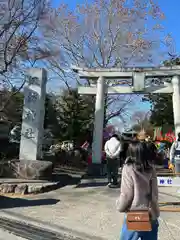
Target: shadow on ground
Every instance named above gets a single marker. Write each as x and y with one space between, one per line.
65 179
91 184
7 202
61 180
89 181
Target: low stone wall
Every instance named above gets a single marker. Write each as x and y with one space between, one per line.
26 169
27 188
59 179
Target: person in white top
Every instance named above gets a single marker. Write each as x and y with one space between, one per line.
112 149
175 154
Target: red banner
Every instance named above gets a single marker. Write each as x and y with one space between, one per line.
159 136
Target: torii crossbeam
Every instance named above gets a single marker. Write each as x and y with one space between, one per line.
138 76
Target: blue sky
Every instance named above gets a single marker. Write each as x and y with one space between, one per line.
170 24
171 11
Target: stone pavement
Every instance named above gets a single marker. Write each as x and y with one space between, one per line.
89 209
5 235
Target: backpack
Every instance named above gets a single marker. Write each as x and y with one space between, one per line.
176 146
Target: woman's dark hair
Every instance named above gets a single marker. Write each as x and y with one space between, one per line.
137 155
178 137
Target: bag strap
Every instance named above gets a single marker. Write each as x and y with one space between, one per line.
150 193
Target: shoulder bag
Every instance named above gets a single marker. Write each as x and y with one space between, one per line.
140 220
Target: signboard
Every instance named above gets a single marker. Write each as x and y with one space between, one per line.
168 181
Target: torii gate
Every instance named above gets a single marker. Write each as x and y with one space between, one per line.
138 76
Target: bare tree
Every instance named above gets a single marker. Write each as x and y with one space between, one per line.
19 25
141 121
104 34
21 44
117 106
139 116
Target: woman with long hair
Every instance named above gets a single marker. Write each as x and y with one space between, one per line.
137 193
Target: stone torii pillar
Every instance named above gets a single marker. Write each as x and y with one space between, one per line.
98 120
176 103
138 76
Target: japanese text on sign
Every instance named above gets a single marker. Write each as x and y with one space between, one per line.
30 115
165 181
32 97
169 181
29 133
33 81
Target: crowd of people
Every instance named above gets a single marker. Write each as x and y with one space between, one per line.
139 190
138 198
116 152
137 158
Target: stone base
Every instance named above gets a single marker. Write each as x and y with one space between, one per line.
96 170
27 169
27 188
